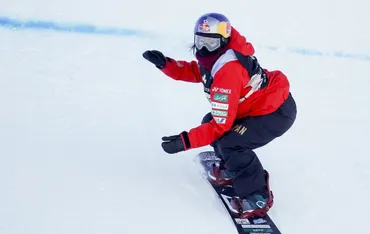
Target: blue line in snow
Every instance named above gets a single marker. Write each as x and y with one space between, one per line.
336 54
16 24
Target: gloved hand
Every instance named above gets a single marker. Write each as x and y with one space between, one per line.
156 57
176 143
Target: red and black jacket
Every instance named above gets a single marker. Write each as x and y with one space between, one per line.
236 87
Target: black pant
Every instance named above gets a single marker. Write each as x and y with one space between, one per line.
236 146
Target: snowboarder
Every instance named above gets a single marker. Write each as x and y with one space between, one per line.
250 106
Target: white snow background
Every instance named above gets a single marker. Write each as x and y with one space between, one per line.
82 116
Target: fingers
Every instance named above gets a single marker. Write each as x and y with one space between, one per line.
169 138
166 146
146 55
156 57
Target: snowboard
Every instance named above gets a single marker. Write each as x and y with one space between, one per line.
256 225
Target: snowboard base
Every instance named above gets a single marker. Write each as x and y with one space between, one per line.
255 225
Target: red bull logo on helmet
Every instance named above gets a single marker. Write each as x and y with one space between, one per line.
204 27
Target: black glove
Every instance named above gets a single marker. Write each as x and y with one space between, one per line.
156 57
176 143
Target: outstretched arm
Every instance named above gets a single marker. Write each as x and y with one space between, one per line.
177 70
182 70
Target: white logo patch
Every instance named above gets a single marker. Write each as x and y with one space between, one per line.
219 113
221 90
242 221
221 106
255 226
220 120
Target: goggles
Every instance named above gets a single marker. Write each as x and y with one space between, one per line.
212 43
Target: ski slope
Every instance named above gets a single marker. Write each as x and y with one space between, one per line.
82 116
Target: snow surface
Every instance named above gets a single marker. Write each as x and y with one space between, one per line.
82 116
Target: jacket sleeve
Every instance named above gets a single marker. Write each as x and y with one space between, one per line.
182 70
225 94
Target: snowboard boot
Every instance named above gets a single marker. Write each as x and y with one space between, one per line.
255 205
219 175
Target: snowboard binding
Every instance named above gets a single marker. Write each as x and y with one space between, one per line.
246 221
218 175
258 212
